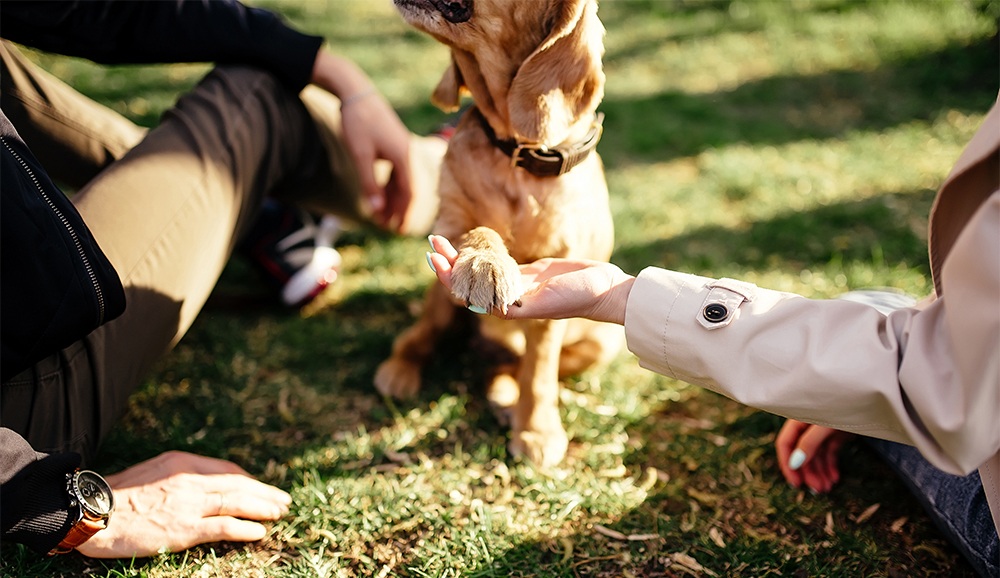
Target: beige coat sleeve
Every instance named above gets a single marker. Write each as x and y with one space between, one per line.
929 378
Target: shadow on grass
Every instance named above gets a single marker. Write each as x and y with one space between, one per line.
784 109
724 505
276 385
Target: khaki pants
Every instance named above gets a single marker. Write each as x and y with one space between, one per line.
167 208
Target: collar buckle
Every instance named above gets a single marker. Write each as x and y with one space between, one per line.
515 155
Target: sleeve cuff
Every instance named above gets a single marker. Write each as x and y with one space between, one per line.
659 302
41 517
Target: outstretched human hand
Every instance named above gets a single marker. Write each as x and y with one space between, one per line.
372 131
808 453
178 500
555 288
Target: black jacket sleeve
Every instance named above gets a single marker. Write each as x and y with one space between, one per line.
57 283
125 32
35 503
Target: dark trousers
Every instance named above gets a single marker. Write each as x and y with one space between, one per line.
957 504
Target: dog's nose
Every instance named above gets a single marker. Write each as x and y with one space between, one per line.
455 11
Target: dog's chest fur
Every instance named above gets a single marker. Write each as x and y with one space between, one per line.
565 216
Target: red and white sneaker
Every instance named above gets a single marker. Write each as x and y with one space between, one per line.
293 250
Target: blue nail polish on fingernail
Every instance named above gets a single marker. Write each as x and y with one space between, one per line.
797 459
432 244
477 309
431 263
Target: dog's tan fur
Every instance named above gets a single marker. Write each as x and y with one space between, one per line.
533 69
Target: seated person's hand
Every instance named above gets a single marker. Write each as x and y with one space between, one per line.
808 454
372 131
554 288
178 500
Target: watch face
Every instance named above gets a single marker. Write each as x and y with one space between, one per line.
94 493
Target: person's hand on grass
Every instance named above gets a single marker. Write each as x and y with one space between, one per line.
178 500
372 131
808 454
555 288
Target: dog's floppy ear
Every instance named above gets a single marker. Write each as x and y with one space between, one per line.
562 79
448 94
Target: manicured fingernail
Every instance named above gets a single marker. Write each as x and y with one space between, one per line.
797 459
477 309
432 243
431 263
814 491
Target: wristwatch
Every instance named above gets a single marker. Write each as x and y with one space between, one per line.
92 502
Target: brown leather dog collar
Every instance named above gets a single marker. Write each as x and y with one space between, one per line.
542 161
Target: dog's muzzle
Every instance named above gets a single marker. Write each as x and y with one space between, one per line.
454 11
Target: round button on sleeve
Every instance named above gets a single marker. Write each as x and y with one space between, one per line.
715 312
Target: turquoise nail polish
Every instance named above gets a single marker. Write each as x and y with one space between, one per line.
477 309
796 460
431 263
433 250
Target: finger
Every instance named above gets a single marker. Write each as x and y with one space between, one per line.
215 503
833 445
441 267
225 528
819 465
788 437
814 477
837 444
398 195
374 194
243 505
230 483
784 444
809 443
400 182
443 246
812 449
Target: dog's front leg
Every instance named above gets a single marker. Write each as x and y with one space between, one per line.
399 376
538 431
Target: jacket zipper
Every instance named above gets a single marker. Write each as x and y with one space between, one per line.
69 228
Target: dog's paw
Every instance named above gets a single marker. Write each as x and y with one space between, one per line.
398 378
545 449
486 279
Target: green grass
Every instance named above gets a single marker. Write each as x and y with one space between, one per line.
794 144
